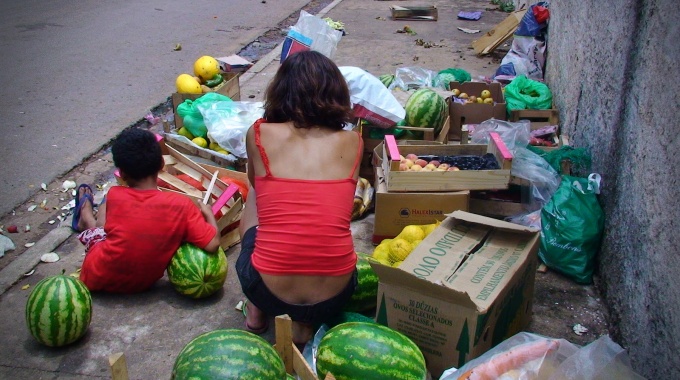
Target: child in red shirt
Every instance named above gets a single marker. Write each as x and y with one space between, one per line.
138 228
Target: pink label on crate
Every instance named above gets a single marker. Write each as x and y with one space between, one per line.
392 148
502 148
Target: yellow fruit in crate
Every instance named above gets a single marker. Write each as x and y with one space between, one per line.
214 145
399 249
200 141
412 233
206 67
428 228
186 84
415 243
222 151
382 254
185 132
485 94
396 265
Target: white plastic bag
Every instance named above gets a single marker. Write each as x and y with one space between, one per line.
527 55
311 33
371 100
228 122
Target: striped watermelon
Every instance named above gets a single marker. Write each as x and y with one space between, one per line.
228 354
196 273
360 350
58 310
365 296
387 79
426 109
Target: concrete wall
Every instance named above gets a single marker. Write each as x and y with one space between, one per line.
614 69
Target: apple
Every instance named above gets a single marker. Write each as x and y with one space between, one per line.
416 168
473 99
480 100
488 101
421 162
463 95
485 94
412 157
456 92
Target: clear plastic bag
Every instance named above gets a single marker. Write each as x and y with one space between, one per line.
533 168
410 78
228 122
513 134
311 33
531 356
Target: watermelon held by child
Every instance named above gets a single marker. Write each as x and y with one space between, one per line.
58 310
195 273
228 354
361 350
425 108
365 296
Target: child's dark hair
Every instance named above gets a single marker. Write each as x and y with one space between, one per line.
310 91
137 153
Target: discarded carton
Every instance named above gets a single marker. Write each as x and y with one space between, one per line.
234 64
394 211
410 181
465 288
475 113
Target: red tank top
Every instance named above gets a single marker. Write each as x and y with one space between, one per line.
304 225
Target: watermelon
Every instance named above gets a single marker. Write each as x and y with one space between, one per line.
228 354
196 273
361 350
387 79
365 295
426 109
348 316
58 310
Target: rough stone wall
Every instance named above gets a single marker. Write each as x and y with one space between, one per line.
614 69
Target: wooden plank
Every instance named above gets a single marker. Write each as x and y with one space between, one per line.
423 13
118 366
499 34
284 340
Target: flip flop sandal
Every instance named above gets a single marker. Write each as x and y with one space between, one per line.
79 204
258 331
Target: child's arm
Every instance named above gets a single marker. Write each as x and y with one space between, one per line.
214 244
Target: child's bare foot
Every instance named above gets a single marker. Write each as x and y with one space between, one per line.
256 320
83 214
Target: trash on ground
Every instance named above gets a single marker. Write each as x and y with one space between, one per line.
29 273
579 329
469 31
68 185
49 257
6 244
473 16
29 245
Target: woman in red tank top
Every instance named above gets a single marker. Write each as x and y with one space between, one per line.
297 255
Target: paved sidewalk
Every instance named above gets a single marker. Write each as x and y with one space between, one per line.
151 328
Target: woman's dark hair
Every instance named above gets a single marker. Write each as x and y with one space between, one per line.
137 153
308 90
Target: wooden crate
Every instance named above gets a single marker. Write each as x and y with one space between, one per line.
407 181
416 13
226 200
293 360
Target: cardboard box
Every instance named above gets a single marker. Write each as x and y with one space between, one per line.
366 166
410 181
394 211
465 288
475 113
234 64
230 87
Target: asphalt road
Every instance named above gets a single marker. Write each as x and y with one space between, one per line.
74 74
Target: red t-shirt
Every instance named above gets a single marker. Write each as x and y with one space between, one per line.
143 228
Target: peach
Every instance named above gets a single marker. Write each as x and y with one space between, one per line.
403 167
412 157
416 168
430 167
452 169
421 162
435 163
443 166
408 163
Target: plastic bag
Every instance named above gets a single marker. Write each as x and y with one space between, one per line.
228 122
572 225
446 76
514 134
191 115
411 78
544 178
371 100
524 93
526 57
531 356
311 33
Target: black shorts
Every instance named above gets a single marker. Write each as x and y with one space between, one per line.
258 293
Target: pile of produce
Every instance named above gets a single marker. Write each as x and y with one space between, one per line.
430 163
206 77
393 251
462 97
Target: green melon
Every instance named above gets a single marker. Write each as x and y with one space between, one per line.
228 354
387 79
58 310
365 295
426 109
196 273
360 350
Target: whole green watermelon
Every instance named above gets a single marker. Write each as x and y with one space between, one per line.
361 350
58 310
365 295
195 273
426 109
228 354
387 79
